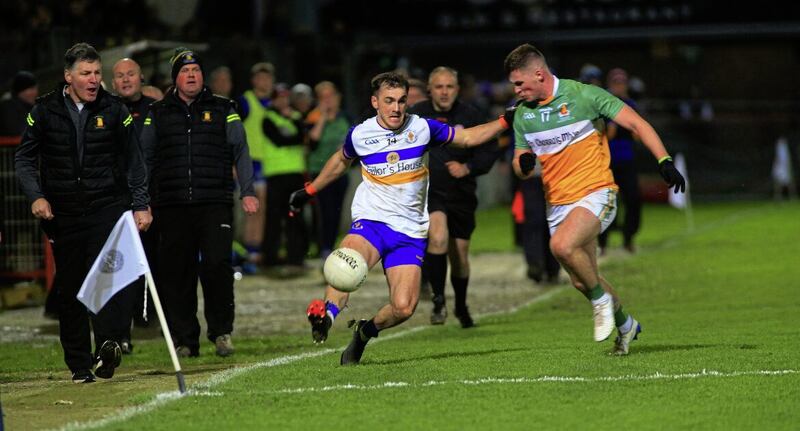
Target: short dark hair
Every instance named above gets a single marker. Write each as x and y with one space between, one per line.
521 56
418 84
80 52
389 79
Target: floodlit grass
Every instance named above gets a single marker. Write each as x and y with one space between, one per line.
719 350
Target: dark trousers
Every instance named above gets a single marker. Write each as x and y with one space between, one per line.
76 243
328 214
279 225
628 181
150 244
195 242
535 231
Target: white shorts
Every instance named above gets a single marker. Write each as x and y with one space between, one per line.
602 203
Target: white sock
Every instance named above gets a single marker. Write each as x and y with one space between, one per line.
330 314
602 300
627 326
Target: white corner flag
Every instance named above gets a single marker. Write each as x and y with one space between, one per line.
121 262
682 200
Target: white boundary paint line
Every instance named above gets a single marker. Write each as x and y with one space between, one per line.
533 380
203 389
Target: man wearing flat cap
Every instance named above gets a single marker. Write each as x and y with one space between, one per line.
192 140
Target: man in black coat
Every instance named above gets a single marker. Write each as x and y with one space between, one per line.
192 142
13 111
81 167
127 81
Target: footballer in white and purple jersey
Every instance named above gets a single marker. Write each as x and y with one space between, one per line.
390 216
395 187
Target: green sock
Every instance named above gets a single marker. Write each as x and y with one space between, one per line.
620 317
596 292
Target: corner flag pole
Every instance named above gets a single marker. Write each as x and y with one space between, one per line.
151 286
689 214
683 201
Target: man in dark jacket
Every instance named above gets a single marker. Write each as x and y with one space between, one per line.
451 200
127 81
80 165
192 141
13 111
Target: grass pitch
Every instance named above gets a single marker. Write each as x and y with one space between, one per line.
719 350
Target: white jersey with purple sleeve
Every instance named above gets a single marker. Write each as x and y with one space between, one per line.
395 186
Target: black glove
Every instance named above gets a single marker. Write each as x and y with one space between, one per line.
671 175
297 200
508 115
527 161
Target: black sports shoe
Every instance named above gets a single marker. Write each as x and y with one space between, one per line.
352 354
83 376
319 319
439 313
108 359
464 317
535 273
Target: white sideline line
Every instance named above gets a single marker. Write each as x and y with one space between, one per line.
200 389
542 379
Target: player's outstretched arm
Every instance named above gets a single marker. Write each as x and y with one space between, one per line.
631 120
477 135
336 165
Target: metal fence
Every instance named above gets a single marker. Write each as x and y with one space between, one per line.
24 252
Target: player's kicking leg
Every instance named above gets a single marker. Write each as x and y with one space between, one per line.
404 295
322 313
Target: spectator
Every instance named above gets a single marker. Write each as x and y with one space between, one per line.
152 92
696 108
221 82
192 139
24 91
127 80
285 169
591 74
328 130
79 203
127 83
621 143
301 99
253 106
417 91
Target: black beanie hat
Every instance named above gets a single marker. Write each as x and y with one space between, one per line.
182 57
22 81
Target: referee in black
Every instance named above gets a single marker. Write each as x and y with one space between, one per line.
451 196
